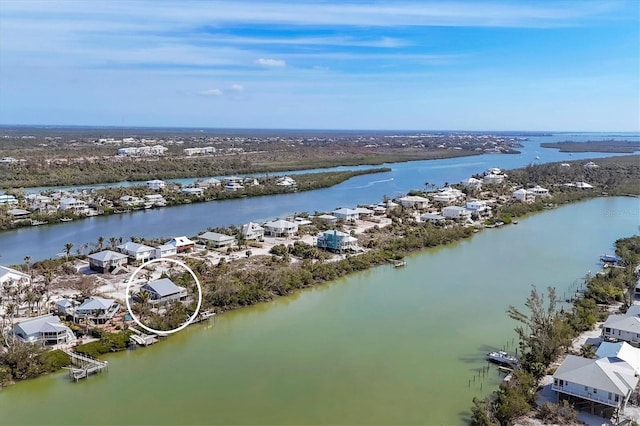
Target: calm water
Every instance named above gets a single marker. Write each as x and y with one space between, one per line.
386 346
47 241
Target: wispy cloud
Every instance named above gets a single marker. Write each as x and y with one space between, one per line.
237 87
269 62
212 92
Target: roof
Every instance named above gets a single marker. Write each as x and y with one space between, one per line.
166 247
134 247
18 212
106 256
415 199
97 303
622 351
6 272
616 377
630 323
64 303
182 241
432 216
281 224
44 323
454 208
634 310
345 211
216 236
327 217
163 287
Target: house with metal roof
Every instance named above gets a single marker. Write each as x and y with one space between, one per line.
456 212
137 252
165 250
608 382
280 228
97 309
43 330
623 327
337 241
621 351
414 202
65 307
346 214
106 261
182 244
10 275
217 240
252 231
164 290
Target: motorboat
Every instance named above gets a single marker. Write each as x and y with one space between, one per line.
503 358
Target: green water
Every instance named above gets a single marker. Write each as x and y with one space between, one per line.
387 346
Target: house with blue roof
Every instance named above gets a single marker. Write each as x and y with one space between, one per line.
164 290
97 309
336 241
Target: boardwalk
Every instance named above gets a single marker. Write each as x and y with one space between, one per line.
84 366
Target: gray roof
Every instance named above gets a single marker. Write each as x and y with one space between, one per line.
634 310
163 287
216 236
64 303
45 323
134 247
4 272
97 303
106 256
615 377
630 323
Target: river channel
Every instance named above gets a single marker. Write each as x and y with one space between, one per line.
385 346
48 241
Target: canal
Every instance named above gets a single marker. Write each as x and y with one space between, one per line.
385 346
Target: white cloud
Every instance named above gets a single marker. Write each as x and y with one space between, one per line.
270 62
237 87
212 92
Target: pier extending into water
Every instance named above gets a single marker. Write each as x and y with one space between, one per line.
86 366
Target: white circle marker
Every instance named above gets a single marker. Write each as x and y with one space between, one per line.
189 321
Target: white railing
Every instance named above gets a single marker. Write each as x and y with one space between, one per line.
588 396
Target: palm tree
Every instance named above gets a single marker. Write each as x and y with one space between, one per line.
67 248
27 262
100 242
587 351
112 242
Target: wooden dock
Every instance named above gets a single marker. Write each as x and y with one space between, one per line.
142 339
84 366
203 316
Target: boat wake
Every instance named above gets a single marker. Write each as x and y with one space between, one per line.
368 184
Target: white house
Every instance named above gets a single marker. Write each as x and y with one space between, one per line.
286 181
137 252
327 218
252 231
280 228
165 250
346 214
478 206
493 178
207 183
155 200
196 192
472 183
106 261
456 212
414 202
623 327
622 351
8 199
217 239
523 195
182 244
432 218
97 309
583 185
591 165
233 186
12 276
73 204
606 381
130 201
539 191
447 195
44 330
164 290
156 184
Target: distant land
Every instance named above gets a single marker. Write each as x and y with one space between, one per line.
595 146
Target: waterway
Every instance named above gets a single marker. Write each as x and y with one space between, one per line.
48 241
385 346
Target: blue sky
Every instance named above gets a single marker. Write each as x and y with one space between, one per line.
463 65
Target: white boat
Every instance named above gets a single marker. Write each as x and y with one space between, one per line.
502 357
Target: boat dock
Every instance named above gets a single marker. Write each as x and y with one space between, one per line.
84 366
142 339
203 316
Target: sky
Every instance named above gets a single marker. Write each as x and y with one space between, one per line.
395 65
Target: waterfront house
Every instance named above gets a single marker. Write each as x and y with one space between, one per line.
217 240
156 184
456 212
155 200
623 327
233 186
327 218
97 310
8 199
364 213
13 277
432 218
182 244
337 241
164 290
524 196
165 250
19 214
583 185
280 228
608 382
130 201
137 252
493 178
346 214
539 191
252 231
43 330
208 183
106 261
285 181
413 202
196 192
472 183
73 204
477 206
